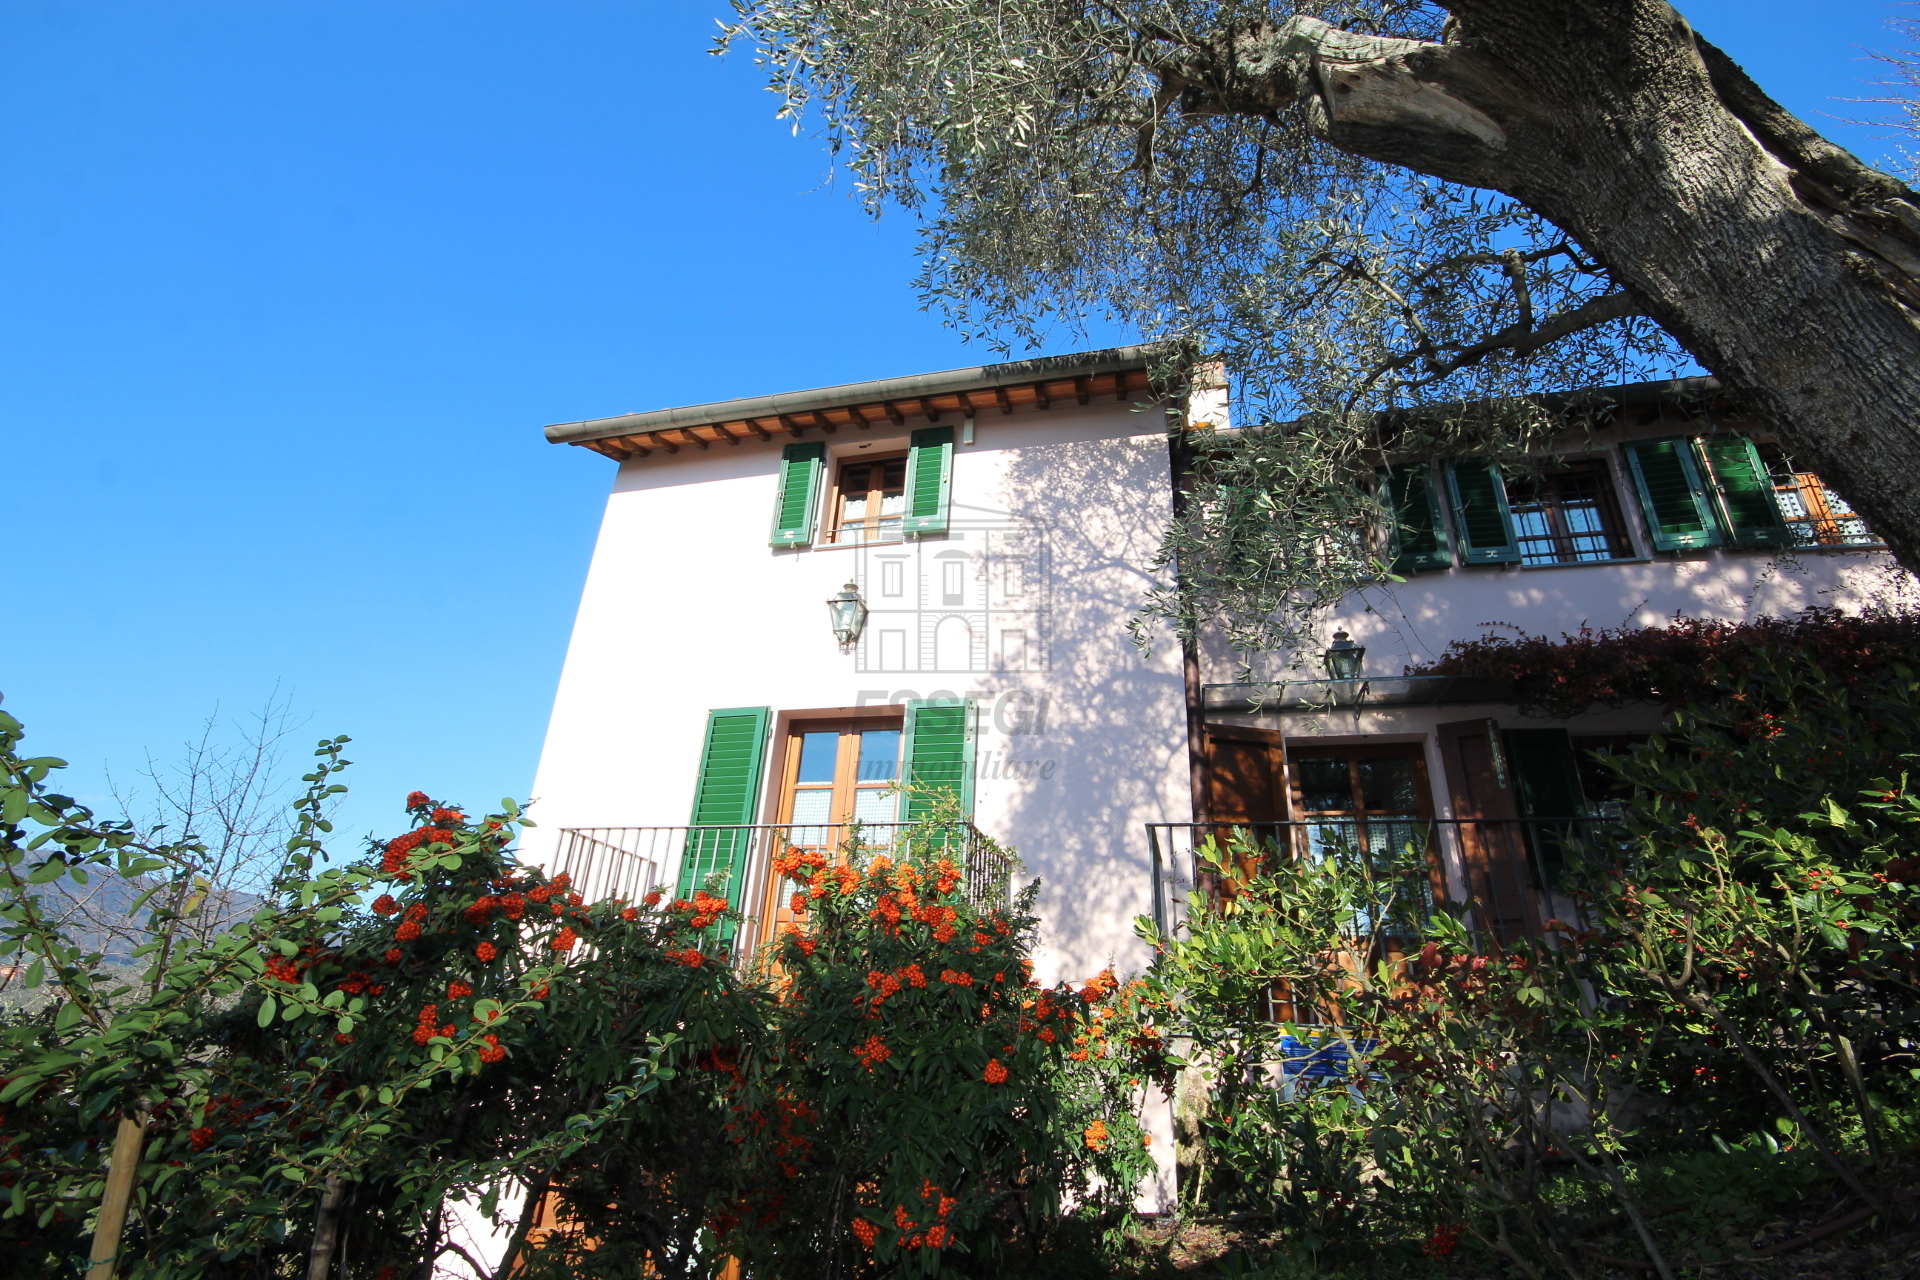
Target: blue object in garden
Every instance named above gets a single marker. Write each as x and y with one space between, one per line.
1320 1060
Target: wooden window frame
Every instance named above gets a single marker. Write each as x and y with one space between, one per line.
1298 750
1613 525
1820 528
836 494
766 891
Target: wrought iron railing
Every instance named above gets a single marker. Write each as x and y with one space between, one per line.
1511 870
627 862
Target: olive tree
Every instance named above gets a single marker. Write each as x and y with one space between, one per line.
1378 212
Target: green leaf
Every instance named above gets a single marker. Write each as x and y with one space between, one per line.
19 1087
267 1009
69 1014
36 972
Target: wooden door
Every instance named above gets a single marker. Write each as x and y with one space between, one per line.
1493 847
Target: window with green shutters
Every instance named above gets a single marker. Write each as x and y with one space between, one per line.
1747 508
929 481
937 756
1482 523
801 469
1419 538
724 798
1673 494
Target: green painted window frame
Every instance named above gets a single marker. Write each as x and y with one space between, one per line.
929 496
726 794
1418 536
796 504
1659 464
948 759
1743 492
1546 775
1484 497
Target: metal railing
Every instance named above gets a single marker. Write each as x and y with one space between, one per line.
627 862
1509 869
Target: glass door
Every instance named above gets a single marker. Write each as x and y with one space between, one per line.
837 774
1367 804
841 775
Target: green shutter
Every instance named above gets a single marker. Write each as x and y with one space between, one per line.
1747 506
725 796
1679 512
1546 772
1546 779
1480 515
938 754
1419 539
929 481
801 468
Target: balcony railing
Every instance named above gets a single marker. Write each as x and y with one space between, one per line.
1511 870
627 862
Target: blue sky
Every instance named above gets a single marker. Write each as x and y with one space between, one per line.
287 290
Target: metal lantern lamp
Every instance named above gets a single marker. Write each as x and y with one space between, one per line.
849 613
1343 657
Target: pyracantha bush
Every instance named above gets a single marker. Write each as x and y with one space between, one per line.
923 1107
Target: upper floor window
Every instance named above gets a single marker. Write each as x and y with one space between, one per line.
1816 516
869 500
1567 516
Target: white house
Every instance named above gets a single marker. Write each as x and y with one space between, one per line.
999 525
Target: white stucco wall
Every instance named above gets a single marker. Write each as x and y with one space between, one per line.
1413 622
686 609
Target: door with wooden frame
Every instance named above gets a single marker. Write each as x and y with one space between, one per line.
1370 801
834 773
1364 804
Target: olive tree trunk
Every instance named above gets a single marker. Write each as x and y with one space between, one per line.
1785 265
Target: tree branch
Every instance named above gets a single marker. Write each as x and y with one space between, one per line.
1405 102
1515 339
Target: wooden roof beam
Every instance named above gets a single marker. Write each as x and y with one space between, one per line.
1041 397
727 435
860 419
1083 388
893 413
1000 398
825 423
757 429
793 428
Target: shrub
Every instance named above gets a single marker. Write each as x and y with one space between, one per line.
438 1021
1730 1002
474 1023
1687 662
922 1106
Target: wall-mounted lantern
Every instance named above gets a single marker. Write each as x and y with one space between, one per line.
1343 657
849 613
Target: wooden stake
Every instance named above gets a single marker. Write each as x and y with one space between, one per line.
121 1173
